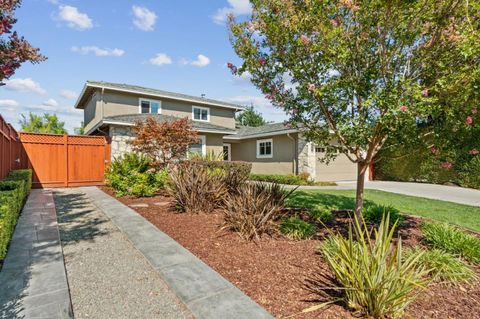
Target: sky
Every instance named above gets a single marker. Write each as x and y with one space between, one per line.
180 46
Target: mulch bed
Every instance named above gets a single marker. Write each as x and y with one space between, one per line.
278 273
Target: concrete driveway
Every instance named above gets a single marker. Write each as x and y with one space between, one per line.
454 194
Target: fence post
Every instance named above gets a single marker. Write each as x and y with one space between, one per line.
65 143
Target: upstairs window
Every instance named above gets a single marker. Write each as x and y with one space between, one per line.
200 113
265 148
150 106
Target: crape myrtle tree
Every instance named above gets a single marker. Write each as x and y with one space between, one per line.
14 50
356 73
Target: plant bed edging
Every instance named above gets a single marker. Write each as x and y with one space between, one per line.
205 292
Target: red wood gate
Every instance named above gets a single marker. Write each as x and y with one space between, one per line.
65 160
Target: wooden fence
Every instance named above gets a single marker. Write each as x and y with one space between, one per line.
56 160
9 148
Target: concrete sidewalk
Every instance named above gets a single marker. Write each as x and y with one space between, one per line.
460 195
33 280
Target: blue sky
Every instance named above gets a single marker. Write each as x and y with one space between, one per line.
180 46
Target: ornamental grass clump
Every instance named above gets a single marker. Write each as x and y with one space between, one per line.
443 267
374 275
452 240
297 229
254 209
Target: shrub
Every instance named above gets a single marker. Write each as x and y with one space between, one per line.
196 188
253 210
374 213
133 174
322 214
13 193
374 276
281 179
443 266
452 240
296 228
234 173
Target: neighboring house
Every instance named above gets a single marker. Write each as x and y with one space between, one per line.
112 109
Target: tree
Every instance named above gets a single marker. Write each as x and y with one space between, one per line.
165 141
48 123
361 72
14 50
80 130
250 117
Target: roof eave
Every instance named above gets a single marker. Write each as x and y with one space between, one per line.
236 138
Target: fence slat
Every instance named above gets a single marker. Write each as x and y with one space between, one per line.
9 146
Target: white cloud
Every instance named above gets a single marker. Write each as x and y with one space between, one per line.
50 102
68 94
98 51
201 61
244 79
24 85
161 59
74 18
237 7
8 103
144 19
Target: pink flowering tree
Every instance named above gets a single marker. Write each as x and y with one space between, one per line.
14 50
361 72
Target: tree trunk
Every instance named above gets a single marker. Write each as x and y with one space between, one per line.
361 170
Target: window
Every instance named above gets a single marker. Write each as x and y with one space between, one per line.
200 113
265 148
227 153
200 147
150 106
319 149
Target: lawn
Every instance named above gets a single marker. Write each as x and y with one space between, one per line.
462 215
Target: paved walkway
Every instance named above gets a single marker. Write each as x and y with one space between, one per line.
33 281
108 277
454 194
206 294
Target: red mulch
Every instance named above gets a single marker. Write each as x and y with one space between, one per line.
277 272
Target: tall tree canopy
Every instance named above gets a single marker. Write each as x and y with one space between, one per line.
363 71
48 123
250 117
14 50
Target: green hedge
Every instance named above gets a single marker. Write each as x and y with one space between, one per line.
282 179
13 193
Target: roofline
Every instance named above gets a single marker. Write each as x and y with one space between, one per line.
236 138
236 108
107 122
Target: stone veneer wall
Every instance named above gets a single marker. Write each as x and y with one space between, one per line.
120 136
306 158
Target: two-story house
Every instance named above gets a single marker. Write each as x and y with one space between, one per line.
112 109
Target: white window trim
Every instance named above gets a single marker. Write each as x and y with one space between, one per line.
140 100
201 108
203 139
258 148
229 150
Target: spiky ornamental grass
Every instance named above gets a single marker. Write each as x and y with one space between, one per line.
375 276
296 228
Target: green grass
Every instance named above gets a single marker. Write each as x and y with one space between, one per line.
462 215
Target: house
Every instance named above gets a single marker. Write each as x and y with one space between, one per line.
112 109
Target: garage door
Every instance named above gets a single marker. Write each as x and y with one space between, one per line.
341 169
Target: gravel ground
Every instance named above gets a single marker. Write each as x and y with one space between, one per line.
108 277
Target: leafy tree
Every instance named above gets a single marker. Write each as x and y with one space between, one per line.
361 72
14 50
165 141
80 130
250 117
48 123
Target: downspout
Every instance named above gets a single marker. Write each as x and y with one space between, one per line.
295 154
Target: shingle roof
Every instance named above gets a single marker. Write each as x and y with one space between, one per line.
246 131
200 126
166 94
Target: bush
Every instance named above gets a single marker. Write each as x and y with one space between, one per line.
443 266
197 188
133 174
452 240
374 275
322 214
282 179
234 173
253 210
13 193
296 228
374 213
